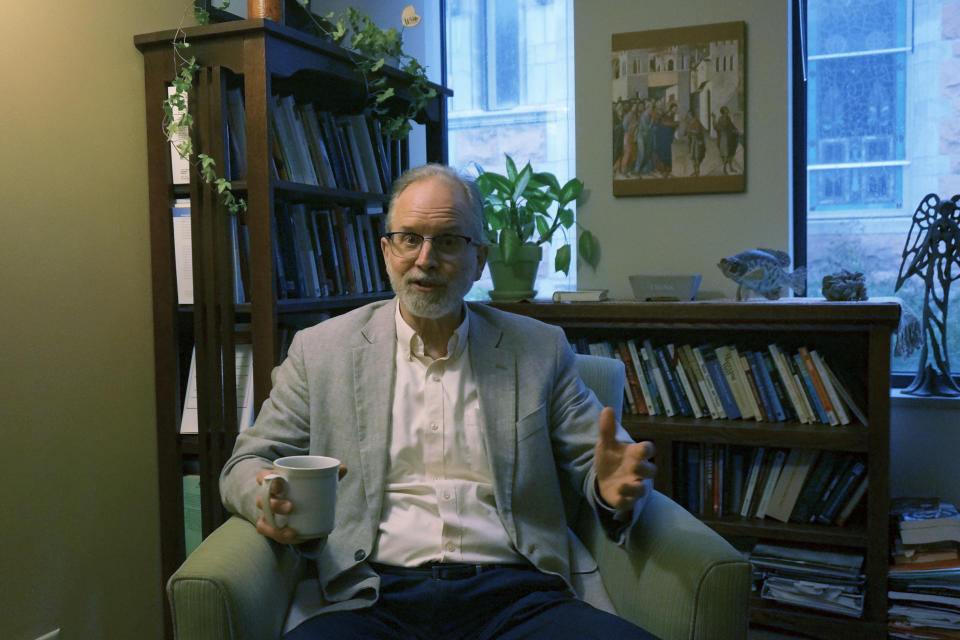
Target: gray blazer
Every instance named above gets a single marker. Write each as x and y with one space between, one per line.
333 396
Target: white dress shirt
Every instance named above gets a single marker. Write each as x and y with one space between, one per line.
439 503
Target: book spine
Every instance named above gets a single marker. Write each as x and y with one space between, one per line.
763 409
756 462
673 385
814 487
629 402
786 379
835 400
706 506
844 393
734 477
783 399
811 392
720 383
818 387
641 377
686 386
853 501
709 386
632 381
773 476
729 364
693 478
650 358
765 383
845 488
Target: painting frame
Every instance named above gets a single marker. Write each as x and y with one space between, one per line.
678 107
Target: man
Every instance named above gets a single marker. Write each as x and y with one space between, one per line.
458 423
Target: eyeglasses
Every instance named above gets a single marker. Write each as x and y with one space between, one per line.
406 244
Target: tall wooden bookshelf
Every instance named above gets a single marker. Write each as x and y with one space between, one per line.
261 59
856 337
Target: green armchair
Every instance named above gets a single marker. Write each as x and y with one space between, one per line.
679 579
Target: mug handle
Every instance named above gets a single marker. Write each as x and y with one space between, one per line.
265 491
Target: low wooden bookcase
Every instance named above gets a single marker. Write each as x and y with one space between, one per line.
855 337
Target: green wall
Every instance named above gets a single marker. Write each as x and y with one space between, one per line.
80 532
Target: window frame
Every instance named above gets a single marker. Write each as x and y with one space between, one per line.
798 155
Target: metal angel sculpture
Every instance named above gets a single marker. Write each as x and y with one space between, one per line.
932 252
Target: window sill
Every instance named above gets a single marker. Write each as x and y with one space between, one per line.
900 400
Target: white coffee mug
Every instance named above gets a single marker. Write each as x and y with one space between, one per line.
310 483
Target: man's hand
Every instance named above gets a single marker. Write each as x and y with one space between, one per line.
283 535
622 469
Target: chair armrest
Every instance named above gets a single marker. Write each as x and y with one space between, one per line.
236 585
679 579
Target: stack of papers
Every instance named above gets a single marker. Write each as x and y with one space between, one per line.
824 580
925 600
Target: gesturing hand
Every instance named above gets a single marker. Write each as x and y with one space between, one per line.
622 469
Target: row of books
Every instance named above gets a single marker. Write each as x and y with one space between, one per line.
337 151
318 252
310 146
789 485
183 253
724 381
820 579
328 251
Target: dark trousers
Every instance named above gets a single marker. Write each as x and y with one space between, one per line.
505 602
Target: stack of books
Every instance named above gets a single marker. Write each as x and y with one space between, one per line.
924 601
720 382
824 580
924 581
925 521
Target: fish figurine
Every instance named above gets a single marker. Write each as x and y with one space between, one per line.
762 270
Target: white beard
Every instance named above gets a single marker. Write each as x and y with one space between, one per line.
443 301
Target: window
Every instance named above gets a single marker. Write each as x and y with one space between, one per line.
510 65
881 133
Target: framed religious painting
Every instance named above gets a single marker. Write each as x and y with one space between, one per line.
679 110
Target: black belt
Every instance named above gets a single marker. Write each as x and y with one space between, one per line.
445 570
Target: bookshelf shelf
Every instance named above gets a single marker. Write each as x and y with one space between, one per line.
251 72
736 526
763 434
854 337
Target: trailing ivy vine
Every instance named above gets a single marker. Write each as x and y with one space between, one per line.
177 118
369 47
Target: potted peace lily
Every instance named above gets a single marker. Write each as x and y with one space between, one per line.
523 210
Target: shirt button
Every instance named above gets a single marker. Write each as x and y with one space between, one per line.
451 547
446 495
359 555
434 426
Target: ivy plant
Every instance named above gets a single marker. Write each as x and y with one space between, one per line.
370 48
177 118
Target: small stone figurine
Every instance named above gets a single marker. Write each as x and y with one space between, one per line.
844 285
932 252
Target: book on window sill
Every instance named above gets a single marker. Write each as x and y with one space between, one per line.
582 295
